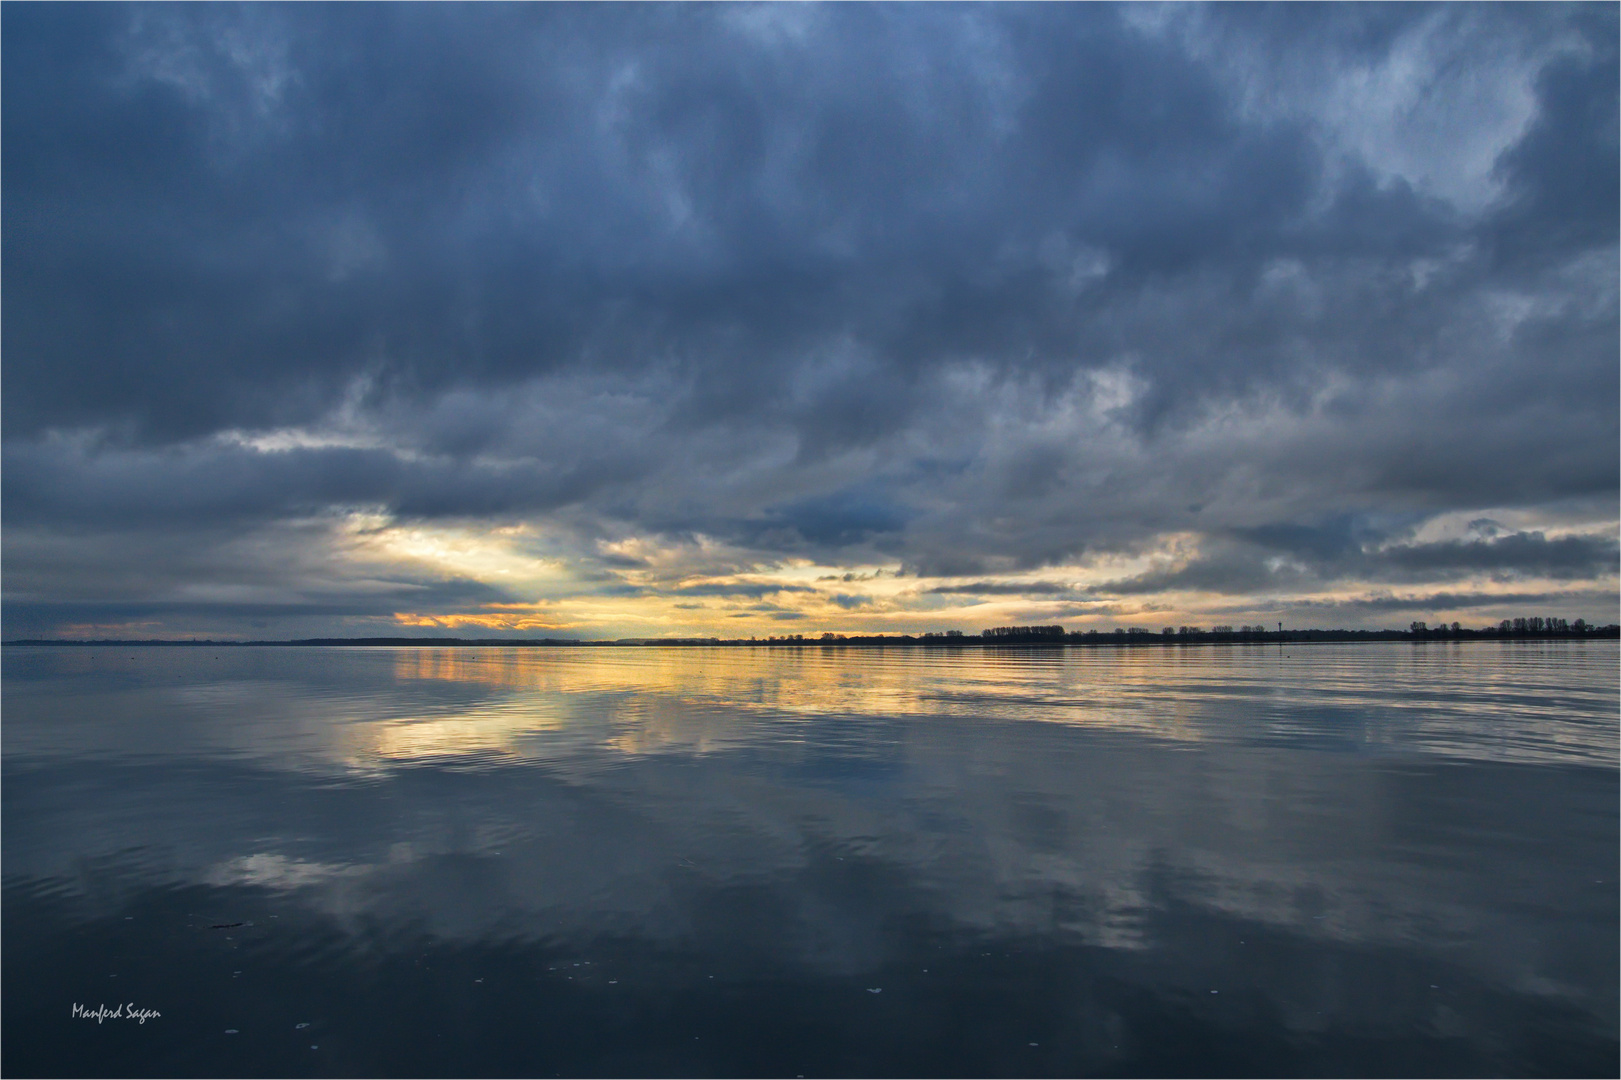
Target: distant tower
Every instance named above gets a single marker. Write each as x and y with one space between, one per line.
1280 628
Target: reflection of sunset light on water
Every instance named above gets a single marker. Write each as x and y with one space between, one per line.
643 700
582 787
640 700
482 735
563 705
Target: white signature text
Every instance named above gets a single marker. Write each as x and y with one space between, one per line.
125 1011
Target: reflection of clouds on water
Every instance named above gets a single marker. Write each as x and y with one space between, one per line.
813 871
374 708
277 872
565 795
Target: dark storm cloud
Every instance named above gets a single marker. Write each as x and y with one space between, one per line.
70 485
841 518
1327 556
1563 174
369 610
995 588
1217 575
221 213
970 289
1596 604
1525 553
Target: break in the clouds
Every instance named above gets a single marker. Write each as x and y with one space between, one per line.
631 320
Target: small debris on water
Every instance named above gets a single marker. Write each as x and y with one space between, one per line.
301 1027
225 925
875 989
232 1031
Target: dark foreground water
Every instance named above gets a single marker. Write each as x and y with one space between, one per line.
1316 860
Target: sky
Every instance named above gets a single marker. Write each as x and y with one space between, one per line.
732 320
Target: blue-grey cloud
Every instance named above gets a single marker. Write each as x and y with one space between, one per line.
1322 557
1002 588
738 589
964 289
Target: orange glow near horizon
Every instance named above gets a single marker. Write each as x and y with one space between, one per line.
703 587
484 622
814 613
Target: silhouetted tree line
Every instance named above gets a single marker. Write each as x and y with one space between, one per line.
1537 627
1530 626
1023 633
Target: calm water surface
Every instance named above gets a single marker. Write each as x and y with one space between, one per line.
1354 860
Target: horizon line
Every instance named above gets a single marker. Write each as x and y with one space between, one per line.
1119 636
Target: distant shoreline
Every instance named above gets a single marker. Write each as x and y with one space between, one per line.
1089 639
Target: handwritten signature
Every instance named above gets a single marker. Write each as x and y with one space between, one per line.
125 1011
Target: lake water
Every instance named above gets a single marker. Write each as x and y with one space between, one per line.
1383 859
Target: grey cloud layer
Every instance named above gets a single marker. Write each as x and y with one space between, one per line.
970 289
